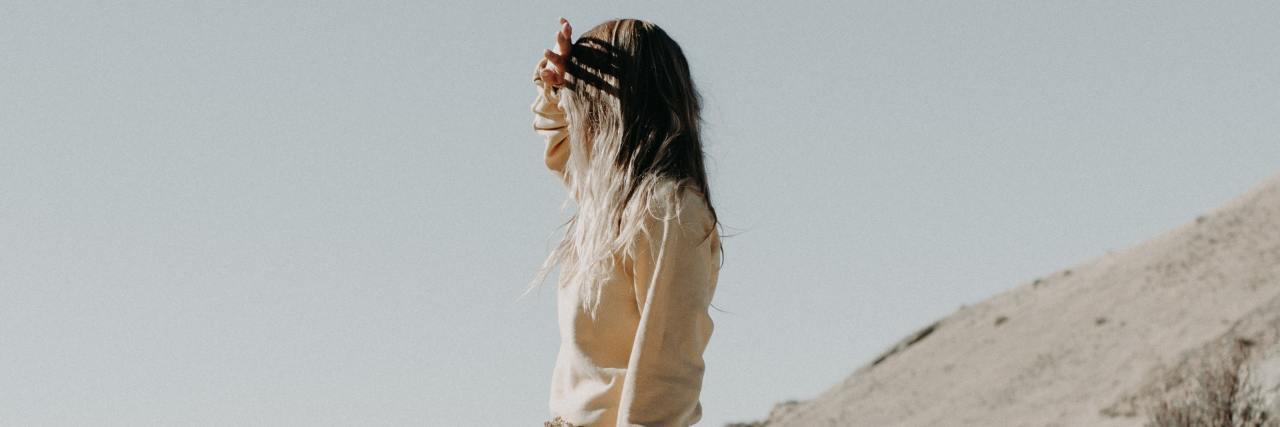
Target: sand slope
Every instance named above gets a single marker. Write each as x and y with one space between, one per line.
1085 346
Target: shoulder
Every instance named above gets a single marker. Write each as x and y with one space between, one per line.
676 223
684 211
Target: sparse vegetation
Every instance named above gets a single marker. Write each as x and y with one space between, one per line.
1220 396
908 342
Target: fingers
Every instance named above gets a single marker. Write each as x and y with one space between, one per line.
564 37
551 75
554 58
563 43
555 61
565 27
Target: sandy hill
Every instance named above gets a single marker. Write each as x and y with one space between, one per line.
1091 345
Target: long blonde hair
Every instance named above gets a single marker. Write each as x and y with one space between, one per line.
634 120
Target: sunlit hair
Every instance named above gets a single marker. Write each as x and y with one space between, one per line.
634 117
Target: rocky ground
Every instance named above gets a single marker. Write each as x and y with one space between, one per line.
1091 345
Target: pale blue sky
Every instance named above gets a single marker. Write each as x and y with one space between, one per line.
283 213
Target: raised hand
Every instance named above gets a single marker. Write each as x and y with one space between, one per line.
556 62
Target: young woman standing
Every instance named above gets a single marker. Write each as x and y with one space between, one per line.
641 255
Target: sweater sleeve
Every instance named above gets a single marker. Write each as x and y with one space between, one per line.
549 122
675 273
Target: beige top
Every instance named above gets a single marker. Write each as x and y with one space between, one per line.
638 362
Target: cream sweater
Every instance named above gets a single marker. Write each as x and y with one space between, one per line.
638 361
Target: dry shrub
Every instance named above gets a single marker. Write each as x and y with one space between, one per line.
1221 396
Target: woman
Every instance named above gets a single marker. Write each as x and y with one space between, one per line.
639 261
